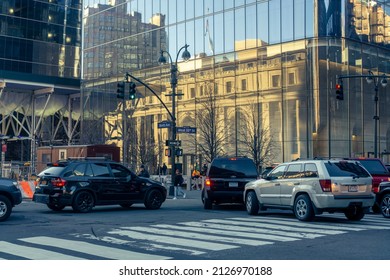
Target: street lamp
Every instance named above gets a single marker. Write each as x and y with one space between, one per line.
383 80
162 60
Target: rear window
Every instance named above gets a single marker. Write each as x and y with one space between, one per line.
345 169
238 167
375 167
52 171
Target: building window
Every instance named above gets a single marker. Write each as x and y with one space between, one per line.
192 92
291 78
275 81
243 85
228 87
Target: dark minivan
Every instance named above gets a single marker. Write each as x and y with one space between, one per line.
226 178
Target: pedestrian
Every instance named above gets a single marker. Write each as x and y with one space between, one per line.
204 169
143 172
164 169
177 184
195 179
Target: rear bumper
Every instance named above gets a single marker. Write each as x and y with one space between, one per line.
334 202
225 196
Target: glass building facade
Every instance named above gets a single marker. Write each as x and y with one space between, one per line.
259 70
40 72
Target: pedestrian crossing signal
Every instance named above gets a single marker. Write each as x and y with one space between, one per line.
168 152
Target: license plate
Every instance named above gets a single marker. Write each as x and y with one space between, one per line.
233 184
43 182
352 188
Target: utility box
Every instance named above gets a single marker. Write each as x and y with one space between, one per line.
49 154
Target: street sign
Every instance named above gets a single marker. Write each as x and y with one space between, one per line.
186 129
164 124
173 143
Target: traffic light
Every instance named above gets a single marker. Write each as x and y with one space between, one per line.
132 90
120 90
339 91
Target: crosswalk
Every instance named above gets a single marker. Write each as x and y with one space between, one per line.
161 241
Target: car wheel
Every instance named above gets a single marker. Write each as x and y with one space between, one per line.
5 208
207 203
303 209
385 205
126 205
55 207
354 213
154 199
83 202
252 203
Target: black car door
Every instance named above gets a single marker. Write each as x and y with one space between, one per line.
125 183
103 183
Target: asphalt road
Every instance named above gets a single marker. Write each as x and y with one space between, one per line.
183 230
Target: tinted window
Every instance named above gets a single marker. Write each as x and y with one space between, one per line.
232 167
345 169
119 170
100 170
375 167
78 170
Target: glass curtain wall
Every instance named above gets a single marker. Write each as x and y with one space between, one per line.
264 73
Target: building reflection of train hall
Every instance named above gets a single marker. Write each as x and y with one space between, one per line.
289 74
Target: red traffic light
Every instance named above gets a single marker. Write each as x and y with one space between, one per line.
338 86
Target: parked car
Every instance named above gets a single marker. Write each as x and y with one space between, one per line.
379 174
84 183
10 195
311 187
225 180
382 199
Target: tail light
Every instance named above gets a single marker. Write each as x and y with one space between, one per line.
375 189
207 183
58 182
326 185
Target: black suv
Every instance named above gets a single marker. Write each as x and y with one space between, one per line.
10 195
84 183
225 180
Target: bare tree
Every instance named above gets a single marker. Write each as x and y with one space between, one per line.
256 137
210 125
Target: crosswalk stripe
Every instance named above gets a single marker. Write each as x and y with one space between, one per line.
92 249
251 232
174 240
347 226
263 224
32 253
190 232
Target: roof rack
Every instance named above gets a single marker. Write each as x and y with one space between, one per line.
87 158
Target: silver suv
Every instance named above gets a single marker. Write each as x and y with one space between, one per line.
311 187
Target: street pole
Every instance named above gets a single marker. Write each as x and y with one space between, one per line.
376 119
186 56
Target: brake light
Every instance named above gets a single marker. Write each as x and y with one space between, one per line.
326 185
58 182
207 183
375 189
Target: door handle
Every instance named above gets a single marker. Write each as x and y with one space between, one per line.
297 184
277 184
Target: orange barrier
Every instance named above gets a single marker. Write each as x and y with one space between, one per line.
27 188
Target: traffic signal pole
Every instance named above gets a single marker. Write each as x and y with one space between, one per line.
369 78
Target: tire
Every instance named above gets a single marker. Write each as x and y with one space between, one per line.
303 208
83 202
55 207
385 205
126 205
154 199
207 203
354 213
252 203
5 208
376 208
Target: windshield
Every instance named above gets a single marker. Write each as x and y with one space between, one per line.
52 171
345 169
